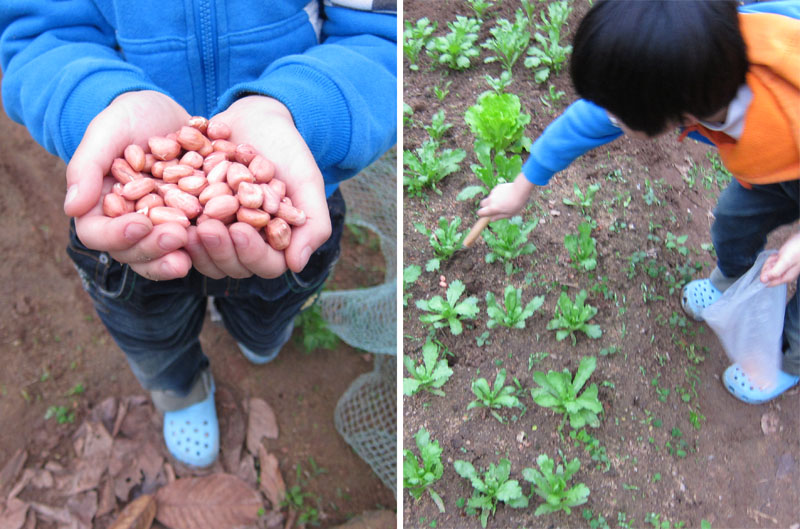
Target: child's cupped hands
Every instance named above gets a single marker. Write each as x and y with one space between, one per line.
784 266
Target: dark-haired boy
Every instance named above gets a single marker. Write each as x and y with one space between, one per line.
729 76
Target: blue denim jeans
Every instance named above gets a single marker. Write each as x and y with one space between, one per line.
157 323
743 220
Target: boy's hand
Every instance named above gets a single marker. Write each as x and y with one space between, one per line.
238 250
133 117
506 200
784 266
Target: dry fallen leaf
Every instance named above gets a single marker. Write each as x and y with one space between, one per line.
106 501
271 483
92 462
105 413
83 507
247 470
232 429
139 514
260 423
13 517
219 501
8 476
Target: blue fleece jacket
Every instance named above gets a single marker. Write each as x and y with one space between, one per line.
333 67
584 125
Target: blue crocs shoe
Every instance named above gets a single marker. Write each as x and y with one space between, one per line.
741 387
269 356
192 434
697 295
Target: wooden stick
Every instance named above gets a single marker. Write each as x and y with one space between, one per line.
475 231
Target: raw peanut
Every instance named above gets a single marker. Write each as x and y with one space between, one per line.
173 173
225 146
134 155
193 184
162 188
238 173
254 217
287 200
207 148
250 195
160 215
115 205
123 172
214 190
278 187
244 153
193 159
149 160
172 136
219 173
271 200
138 188
117 188
221 207
159 165
213 159
292 215
149 201
201 219
164 148
190 138
199 122
279 234
217 130
185 202
263 170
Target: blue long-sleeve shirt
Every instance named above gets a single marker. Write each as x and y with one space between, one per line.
332 66
584 126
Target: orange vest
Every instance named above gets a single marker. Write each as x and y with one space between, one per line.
768 150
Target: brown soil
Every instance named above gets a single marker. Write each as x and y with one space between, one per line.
51 341
735 473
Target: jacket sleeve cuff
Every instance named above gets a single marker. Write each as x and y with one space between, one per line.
318 107
87 99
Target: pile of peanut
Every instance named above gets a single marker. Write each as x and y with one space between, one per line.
196 174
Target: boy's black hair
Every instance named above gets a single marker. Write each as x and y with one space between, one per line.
649 62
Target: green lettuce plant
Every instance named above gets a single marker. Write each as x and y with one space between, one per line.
495 397
427 165
571 317
508 239
498 120
582 248
445 240
490 488
513 314
560 392
449 311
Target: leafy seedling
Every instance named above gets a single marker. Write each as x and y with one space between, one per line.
548 57
449 311
438 126
500 171
513 314
499 84
427 166
445 240
420 477
584 200
457 48
496 397
550 484
571 317
479 7
508 239
316 333
498 120
582 248
508 41
415 37
490 488
560 392
428 376
410 275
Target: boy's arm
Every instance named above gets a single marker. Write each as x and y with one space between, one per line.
61 69
583 126
341 93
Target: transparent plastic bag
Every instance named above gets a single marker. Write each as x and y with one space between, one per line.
748 320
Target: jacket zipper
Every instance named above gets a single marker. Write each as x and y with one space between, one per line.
208 52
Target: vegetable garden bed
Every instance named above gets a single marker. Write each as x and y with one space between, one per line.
608 398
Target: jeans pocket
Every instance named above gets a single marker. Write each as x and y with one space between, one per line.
102 277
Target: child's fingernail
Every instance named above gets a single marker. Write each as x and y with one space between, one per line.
135 231
304 256
72 192
210 241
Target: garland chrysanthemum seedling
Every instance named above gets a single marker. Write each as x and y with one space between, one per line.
430 375
418 478
551 485
560 392
491 488
449 311
571 317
